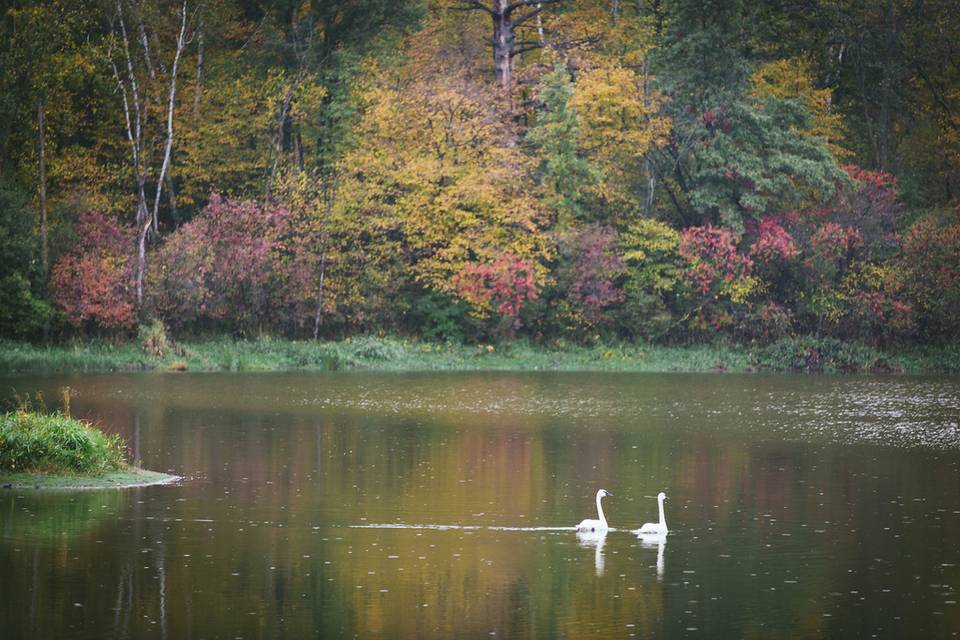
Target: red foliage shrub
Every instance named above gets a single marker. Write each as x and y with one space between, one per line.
218 266
711 253
930 260
592 271
717 276
831 248
870 207
504 285
93 284
773 243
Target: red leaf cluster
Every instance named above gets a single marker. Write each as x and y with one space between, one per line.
712 256
505 284
594 268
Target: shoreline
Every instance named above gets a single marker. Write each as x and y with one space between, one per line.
803 354
129 478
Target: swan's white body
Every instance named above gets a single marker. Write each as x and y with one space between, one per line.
596 525
656 528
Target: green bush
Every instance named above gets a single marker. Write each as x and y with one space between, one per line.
829 355
55 443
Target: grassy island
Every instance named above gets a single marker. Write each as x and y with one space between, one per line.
56 451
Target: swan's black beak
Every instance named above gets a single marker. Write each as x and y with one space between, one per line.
610 495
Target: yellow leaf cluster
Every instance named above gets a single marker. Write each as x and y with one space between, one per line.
620 123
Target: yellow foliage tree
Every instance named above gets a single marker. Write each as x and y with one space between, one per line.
620 124
793 79
437 176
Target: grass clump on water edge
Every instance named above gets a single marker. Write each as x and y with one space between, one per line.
55 443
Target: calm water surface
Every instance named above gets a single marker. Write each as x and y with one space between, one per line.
431 506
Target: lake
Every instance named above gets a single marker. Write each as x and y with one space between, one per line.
442 506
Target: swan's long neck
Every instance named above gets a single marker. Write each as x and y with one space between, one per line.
663 520
600 510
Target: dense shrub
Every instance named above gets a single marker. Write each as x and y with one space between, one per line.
651 254
503 286
718 279
23 311
590 276
217 269
93 284
930 263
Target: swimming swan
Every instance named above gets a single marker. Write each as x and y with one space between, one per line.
656 527
596 525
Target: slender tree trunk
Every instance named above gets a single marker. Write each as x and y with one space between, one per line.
143 214
167 153
198 92
330 187
278 136
318 316
42 178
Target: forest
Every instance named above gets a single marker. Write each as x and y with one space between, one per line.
670 171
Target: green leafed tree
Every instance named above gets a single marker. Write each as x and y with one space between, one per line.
731 155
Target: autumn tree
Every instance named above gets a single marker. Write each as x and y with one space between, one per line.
434 175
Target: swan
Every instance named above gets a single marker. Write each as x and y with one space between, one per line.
658 528
596 525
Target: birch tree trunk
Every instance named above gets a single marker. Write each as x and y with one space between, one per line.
130 92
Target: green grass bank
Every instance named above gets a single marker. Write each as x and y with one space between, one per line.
808 354
56 451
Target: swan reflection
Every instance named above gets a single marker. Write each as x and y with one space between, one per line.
595 539
654 541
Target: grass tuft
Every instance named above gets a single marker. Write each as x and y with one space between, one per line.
54 443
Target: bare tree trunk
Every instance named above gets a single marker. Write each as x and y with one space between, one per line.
171 102
503 40
134 127
42 178
507 16
615 11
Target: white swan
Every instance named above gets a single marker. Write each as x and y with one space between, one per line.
596 525
658 528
